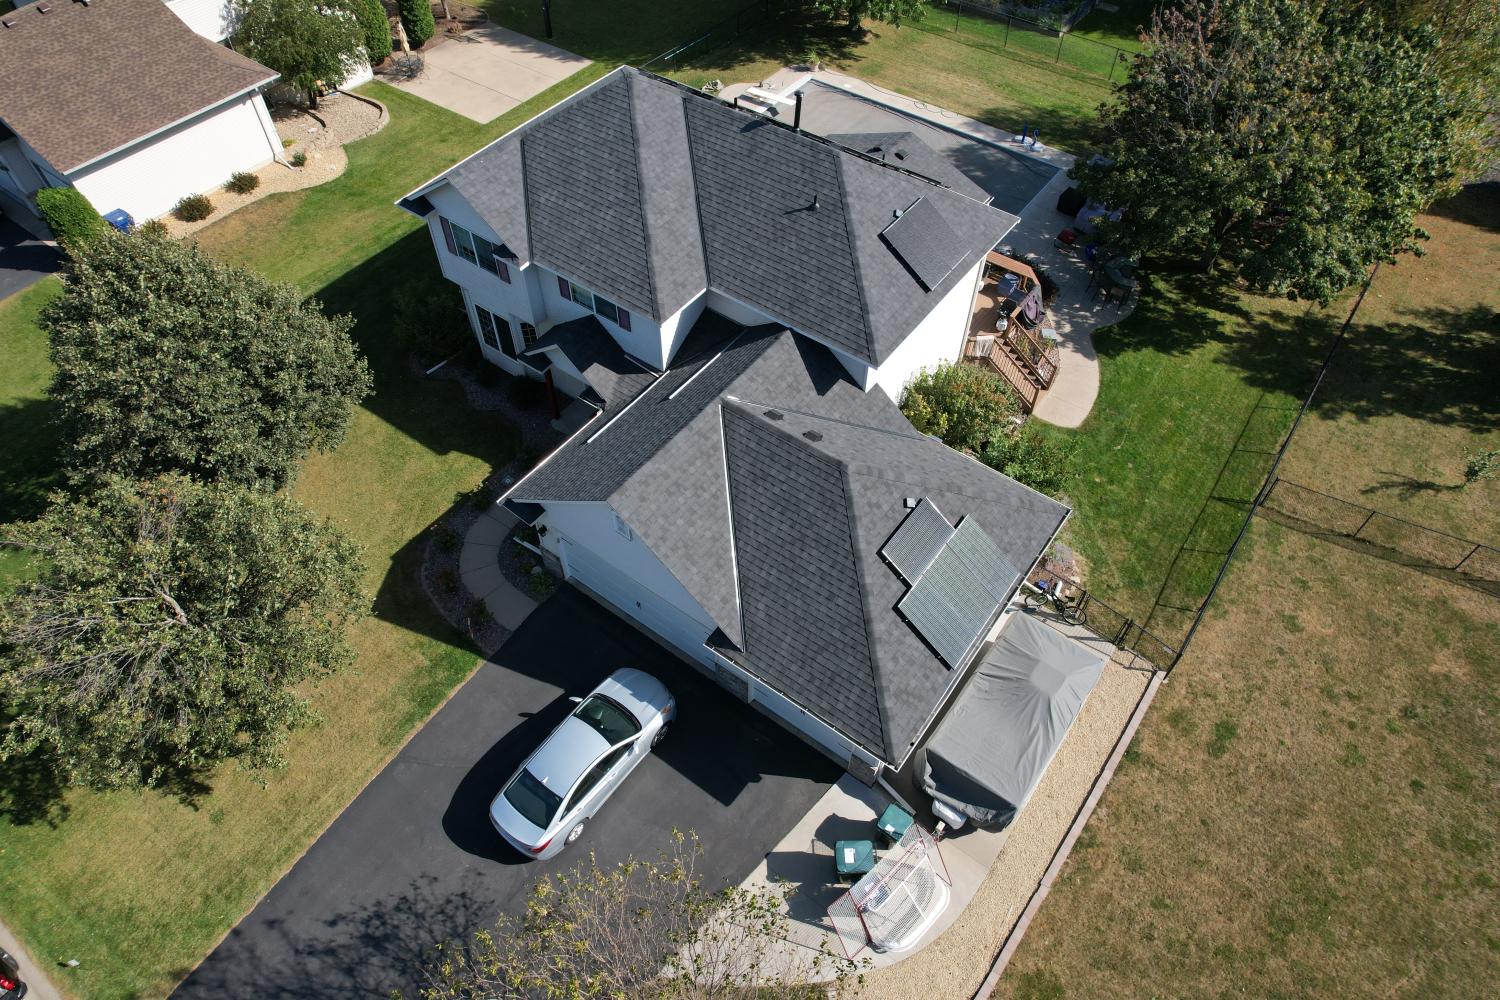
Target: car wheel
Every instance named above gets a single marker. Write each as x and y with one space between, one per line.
661 734
574 833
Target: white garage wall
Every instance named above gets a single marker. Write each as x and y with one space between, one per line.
194 158
938 339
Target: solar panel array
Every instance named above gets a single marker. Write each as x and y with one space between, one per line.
918 541
953 599
925 242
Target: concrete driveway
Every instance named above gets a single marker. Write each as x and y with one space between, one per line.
23 260
483 73
413 861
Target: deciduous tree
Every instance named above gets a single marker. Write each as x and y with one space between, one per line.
168 360
1294 139
167 628
639 930
890 11
309 42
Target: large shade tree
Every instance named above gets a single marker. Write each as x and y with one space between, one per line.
1293 139
168 360
890 11
166 629
309 42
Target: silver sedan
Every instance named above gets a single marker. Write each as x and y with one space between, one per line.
548 801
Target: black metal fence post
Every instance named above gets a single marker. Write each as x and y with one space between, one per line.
1466 558
1363 524
1062 36
1006 44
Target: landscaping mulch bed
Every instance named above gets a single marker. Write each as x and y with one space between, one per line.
441 578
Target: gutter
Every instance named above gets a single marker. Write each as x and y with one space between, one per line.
254 88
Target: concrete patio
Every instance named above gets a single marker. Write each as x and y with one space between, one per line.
992 874
483 73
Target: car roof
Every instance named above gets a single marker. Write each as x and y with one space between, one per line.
567 753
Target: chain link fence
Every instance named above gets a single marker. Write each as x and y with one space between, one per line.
1081 608
987 24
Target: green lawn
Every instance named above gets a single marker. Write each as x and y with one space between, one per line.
1310 808
1197 387
139 887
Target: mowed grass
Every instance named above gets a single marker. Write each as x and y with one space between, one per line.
1413 390
139 887
27 469
1197 386
1310 809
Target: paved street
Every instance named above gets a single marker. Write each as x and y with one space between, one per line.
23 261
413 861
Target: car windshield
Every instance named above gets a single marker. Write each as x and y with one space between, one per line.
608 719
532 799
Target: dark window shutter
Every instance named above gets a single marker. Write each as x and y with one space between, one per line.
563 288
448 235
503 271
624 320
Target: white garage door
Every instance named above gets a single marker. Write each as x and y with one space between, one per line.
647 607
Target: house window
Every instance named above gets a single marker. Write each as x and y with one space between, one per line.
528 334
606 308
583 297
622 527
465 242
489 330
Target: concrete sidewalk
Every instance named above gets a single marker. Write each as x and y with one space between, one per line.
478 564
483 73
37 984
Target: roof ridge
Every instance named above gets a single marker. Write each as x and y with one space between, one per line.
640 192
915 434
859 277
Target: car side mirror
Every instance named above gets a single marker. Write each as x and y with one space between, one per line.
576 700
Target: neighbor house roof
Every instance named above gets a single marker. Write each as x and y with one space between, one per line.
79 81
906 149
650 192
767 482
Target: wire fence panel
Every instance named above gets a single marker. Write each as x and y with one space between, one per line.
1087 611
1417 543
985 25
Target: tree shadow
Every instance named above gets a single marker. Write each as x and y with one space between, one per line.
30 467
1408 487
31 791
1476 205
782 33
367 951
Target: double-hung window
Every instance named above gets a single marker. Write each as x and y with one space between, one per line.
475 249
598 303
495 332
528 334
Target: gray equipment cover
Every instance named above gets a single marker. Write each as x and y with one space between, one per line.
993 747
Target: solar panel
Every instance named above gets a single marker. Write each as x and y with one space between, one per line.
925 242
949 607
917 541
980 554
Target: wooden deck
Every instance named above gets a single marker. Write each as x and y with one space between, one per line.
1030 369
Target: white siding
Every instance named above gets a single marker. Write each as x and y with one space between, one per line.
644 339
592 526
194 158
938 339
209 18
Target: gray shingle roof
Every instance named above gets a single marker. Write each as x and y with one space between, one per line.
615 376
906 149
649 192
696 456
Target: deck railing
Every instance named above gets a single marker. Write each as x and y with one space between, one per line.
1033 354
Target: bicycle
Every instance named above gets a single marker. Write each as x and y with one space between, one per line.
1054 593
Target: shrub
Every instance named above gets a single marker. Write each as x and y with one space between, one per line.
242 182
447 581
487 373
526 393
377 29
69 214
445 537
299 158
193 208
154 228
963 404
1030 457
416 17
430 320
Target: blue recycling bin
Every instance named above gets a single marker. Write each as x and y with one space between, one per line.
120 219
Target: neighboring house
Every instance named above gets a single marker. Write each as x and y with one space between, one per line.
738 306
121 100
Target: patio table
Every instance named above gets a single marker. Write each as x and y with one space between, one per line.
853 857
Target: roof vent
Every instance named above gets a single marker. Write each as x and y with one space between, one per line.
774 415
814 205
43 8
9 22
900 154
812 435
910 502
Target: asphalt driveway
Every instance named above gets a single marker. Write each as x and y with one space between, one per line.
413 861
23 260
